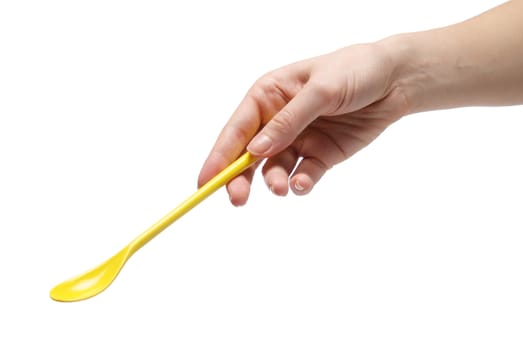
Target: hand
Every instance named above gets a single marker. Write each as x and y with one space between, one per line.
307 117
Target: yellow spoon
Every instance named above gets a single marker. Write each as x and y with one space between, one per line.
98 279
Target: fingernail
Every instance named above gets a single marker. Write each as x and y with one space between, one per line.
298 187
260 144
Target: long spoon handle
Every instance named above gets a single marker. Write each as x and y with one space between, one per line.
226 175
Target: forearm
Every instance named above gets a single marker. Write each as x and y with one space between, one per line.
478 62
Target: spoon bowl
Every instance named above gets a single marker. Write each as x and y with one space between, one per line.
91 282
98 279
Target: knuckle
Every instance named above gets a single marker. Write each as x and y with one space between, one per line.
270 91
263 86
330 94
282 123
326 91
237 133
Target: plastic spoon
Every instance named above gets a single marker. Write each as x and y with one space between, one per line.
98 279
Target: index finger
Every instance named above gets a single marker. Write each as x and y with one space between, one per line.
232 140
265 98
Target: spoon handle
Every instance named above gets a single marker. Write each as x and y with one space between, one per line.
226 175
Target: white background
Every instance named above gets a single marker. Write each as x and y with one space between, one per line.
107 112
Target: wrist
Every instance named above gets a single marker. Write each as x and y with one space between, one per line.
420 71
439 69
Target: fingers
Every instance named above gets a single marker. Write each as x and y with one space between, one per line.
277 169
289 122
277 172
286 104
318 150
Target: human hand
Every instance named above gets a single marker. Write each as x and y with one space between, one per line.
306 117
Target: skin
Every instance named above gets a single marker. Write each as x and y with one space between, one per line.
308 116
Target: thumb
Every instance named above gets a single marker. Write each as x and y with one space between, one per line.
289 122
